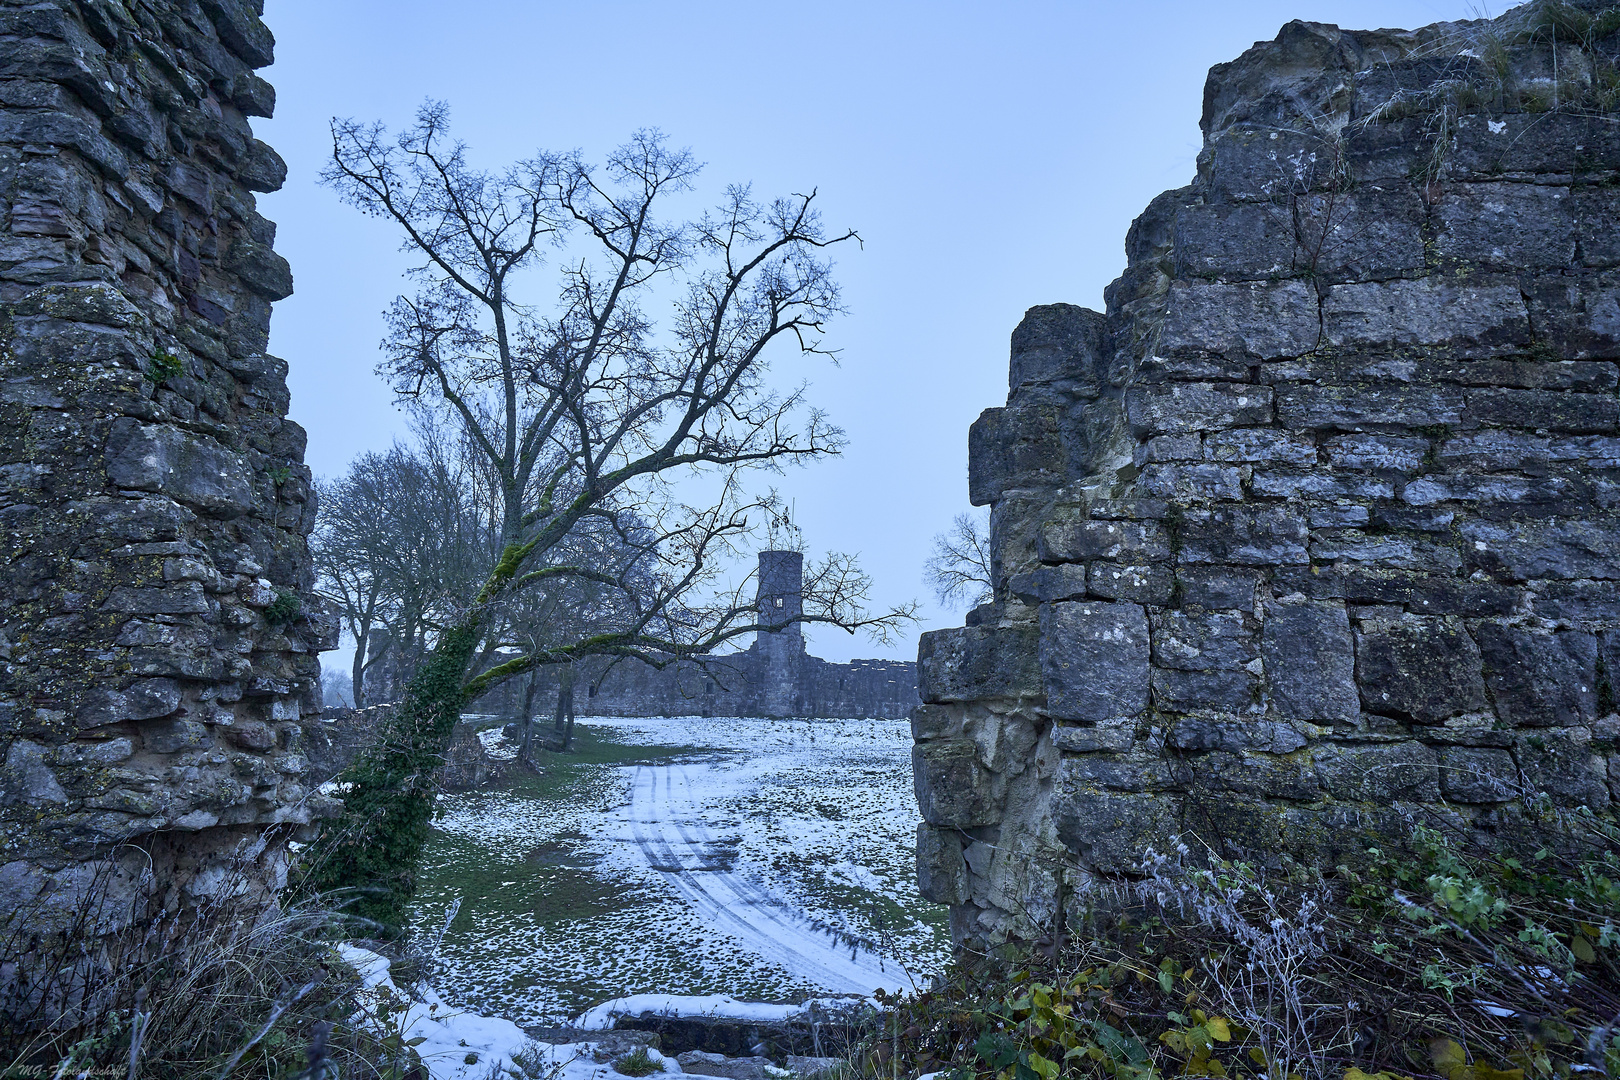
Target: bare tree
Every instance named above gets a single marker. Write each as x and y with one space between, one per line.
400 539
568 609
350 564
587 414
959 569
336 689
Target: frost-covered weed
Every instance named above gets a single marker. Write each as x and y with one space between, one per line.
1457 955
1275 938
224 988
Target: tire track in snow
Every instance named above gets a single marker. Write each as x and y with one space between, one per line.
750 889
665 824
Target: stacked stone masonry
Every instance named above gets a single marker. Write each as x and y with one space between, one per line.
746 683
158 634
1317 529
775 676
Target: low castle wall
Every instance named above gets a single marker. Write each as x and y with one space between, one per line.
1314 530
740 684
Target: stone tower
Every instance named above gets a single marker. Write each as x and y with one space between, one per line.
780 652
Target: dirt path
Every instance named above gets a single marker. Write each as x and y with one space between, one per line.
667 822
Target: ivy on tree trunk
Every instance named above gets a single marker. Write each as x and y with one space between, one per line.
366 859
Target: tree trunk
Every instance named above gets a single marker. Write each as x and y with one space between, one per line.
366 859
526 754
358 676
564 722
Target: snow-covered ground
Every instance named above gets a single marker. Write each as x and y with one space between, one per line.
774 864
458 1045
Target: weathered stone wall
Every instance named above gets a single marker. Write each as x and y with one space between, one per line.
773 677
749 683
1315 529
335 739
157 629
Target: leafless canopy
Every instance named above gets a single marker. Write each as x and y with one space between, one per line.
404 536
959 569
592 419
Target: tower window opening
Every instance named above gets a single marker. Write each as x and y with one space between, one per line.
778 601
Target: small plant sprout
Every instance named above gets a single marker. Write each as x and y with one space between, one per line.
283 609
164 366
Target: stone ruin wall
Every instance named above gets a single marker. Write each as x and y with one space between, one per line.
1314 531
773 677
742 684
745 683
158 633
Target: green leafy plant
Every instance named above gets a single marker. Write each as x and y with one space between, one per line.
164 366
1019 1027
367 857
285 608
279 474
1447 958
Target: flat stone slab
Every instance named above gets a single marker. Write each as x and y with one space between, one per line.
700 1063
609 1044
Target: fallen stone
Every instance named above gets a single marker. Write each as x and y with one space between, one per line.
699 1063
815 1068
822 1029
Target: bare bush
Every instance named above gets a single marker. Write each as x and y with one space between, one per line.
1459 955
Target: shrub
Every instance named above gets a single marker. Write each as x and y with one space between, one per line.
1445 959
283 609
230 988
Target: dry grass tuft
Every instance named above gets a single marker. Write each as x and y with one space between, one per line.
226 988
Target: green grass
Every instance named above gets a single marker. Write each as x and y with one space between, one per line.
493 884
538 904
548 880
562 774
639 1063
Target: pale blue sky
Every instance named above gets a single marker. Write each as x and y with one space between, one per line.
991 155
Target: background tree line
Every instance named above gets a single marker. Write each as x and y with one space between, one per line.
405 536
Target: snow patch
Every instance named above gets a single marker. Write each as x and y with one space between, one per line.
449 1037
601 1017
496 745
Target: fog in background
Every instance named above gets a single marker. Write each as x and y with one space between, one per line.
992 157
